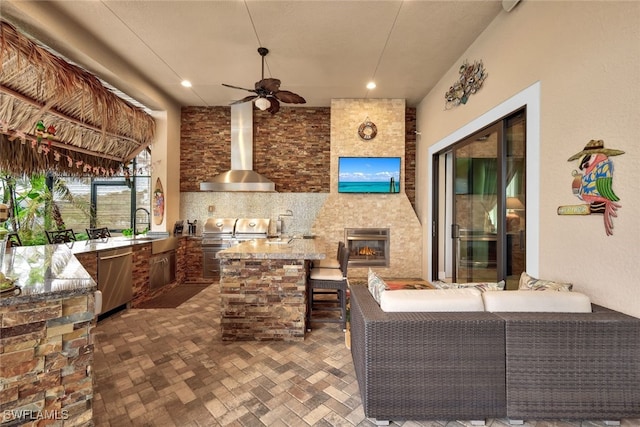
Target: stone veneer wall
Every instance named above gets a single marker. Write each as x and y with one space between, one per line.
410 140
291 147
295 146
141 276
271 307
46 357
393 211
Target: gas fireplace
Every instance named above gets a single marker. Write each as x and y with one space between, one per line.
368 247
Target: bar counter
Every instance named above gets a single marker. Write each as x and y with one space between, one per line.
263 288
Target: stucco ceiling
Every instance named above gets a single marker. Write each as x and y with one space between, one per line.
318 49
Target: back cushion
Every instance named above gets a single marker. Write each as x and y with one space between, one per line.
529 283
481 286
523 301
376 285
432 300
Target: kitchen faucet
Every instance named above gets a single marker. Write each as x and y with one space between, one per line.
280 222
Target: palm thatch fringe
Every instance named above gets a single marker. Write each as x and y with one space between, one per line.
21 158
80 112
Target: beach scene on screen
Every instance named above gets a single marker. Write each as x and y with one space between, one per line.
369 175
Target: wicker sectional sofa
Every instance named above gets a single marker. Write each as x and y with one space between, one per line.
477 365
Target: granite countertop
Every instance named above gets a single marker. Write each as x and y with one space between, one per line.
97 245
276 248
52 271
44 272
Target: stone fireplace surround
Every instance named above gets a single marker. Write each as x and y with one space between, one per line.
392 211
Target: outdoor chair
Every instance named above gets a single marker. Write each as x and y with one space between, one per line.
61 236
14 240
331 262
328 293
98 233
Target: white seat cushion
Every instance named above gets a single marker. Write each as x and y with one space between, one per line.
532 301
326 274
326 263
414 300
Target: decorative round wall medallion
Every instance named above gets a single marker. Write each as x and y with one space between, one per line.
367 130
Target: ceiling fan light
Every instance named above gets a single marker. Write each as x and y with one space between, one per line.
371 85
262 103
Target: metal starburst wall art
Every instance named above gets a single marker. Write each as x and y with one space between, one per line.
469 82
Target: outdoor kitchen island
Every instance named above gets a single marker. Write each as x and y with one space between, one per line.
263 288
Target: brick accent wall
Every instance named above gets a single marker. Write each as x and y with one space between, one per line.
141 289
89 261
193 261
410 155
291 147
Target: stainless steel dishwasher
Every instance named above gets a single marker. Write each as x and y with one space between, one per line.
115 281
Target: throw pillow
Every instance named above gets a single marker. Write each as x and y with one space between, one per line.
532 284
376 285
481 286
399 284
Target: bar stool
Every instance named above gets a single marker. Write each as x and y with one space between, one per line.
327 293
61 236
98 233
331 262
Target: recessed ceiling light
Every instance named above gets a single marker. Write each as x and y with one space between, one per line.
371 85
186 83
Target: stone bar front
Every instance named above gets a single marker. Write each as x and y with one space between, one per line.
263 291
46 349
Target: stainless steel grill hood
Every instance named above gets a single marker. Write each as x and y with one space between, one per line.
241 177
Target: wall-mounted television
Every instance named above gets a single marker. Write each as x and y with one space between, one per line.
368 174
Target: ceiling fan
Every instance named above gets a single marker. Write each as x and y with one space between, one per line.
267 91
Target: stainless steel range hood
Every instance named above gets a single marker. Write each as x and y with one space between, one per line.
241 177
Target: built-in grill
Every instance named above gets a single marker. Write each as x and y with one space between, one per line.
251 228
217 234
222 233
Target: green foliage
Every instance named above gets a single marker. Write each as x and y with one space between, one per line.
34 207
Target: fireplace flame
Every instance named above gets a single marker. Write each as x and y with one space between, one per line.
366 251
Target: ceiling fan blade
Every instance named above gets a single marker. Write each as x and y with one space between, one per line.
275 105
289 97
238 87
245 99
270 85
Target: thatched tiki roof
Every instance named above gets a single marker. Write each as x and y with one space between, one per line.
56 116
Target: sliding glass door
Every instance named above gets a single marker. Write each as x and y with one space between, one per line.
475 207
480 205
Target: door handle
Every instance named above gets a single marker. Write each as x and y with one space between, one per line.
115 256
455 231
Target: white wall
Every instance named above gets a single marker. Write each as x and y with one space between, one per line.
585 56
